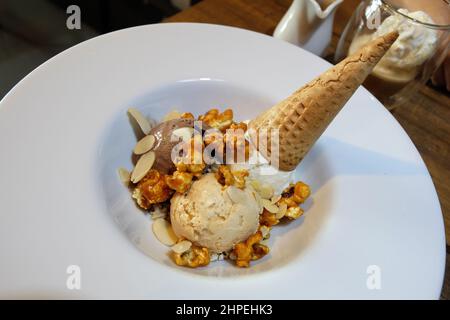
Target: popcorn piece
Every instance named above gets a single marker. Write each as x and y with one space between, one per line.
301 192
151 189
193 161
292 197
227 177
179 181
294 213
215 119
187 115
240 125
192 258
140 199
224 176
268 219
296 194
239 178
249 250
236 143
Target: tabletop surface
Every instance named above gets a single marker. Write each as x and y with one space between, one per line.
425 117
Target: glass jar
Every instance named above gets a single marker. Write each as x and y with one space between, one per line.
422 46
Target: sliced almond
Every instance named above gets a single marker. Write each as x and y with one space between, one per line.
143 165
275 198
159 211
185 133
269 206
281 210
145 144
182 246
174 114
163 232
236 195
124 176
143 123
266 191
158 215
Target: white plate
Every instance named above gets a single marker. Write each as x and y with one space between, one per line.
64 132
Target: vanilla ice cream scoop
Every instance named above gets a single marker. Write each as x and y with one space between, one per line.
213 216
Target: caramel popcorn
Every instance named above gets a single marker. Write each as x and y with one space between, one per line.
235 142
268 219
240 125
301 192
296 194
152 189
293 196
195 169
213 139
192 258
187 115
228 177
249 250
224 176
215 119
193 161
293 212
179 181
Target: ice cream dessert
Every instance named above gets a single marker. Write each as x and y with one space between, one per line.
217 193
402 63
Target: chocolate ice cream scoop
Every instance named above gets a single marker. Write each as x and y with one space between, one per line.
164 143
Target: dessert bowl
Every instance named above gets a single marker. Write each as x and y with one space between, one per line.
64 132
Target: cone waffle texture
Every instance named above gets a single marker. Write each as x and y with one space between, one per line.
303 117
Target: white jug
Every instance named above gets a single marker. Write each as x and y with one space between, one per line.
307 25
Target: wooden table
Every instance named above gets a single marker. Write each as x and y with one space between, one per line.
426 118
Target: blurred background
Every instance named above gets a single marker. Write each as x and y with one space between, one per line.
32 31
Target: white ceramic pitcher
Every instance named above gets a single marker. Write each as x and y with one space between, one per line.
307 25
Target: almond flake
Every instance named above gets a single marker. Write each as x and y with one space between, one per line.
124 176
143 165
144 145
281 211
158 215
141 120
163 232
275 198
269 206
266 191
182 246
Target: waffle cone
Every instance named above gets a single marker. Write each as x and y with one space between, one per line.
302 117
